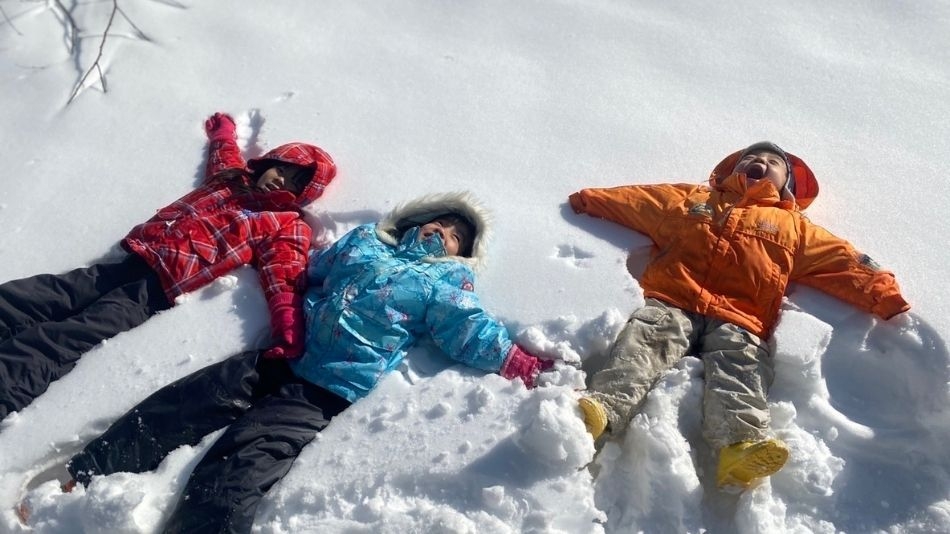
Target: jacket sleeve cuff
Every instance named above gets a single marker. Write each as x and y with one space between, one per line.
890 306
577 202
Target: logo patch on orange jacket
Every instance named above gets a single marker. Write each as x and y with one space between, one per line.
702 210
767 227
869 262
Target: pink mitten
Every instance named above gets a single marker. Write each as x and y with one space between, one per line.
520 364
220 127
287 326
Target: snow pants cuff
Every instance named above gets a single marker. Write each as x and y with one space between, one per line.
83 467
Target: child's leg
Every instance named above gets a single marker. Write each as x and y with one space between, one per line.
35 357
49 297
738 374
654 339
181 413
255 452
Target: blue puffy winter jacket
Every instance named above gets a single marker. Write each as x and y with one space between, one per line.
381 287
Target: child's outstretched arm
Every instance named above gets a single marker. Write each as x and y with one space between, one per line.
467 333
831 264
223 152
638 207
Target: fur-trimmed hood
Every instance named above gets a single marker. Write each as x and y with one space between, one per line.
380 288
423 209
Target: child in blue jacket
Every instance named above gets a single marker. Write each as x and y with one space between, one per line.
371 296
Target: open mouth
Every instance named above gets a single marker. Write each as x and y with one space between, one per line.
755 171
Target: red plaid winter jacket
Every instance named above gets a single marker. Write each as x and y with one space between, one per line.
225 223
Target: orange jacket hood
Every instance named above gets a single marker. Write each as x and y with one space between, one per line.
806 185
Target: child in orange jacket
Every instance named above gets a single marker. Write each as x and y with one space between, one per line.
723 257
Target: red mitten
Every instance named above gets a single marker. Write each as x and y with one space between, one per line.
220 127
520 364
287 326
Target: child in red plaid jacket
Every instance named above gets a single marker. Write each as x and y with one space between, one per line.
244 213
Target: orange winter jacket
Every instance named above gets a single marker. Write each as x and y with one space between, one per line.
729 251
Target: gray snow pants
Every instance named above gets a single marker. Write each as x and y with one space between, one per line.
738 370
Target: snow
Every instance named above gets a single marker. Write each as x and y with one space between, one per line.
522 103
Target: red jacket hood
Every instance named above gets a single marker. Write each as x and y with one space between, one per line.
306 156
806 185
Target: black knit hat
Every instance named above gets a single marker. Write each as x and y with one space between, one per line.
775 149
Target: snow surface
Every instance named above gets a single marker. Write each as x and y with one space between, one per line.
522 103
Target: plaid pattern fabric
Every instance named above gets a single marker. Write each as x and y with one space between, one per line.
306 156
225 224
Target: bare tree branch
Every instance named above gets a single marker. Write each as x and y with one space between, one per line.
96 65
74 36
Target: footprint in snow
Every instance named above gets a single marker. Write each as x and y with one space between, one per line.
574 256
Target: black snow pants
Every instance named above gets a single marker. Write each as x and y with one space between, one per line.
48 321
272 415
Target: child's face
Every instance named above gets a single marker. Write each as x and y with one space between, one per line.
454 235
763 165
286 176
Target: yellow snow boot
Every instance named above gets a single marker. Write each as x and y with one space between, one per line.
740 464
595 416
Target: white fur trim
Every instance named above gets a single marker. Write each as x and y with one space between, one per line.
428 207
